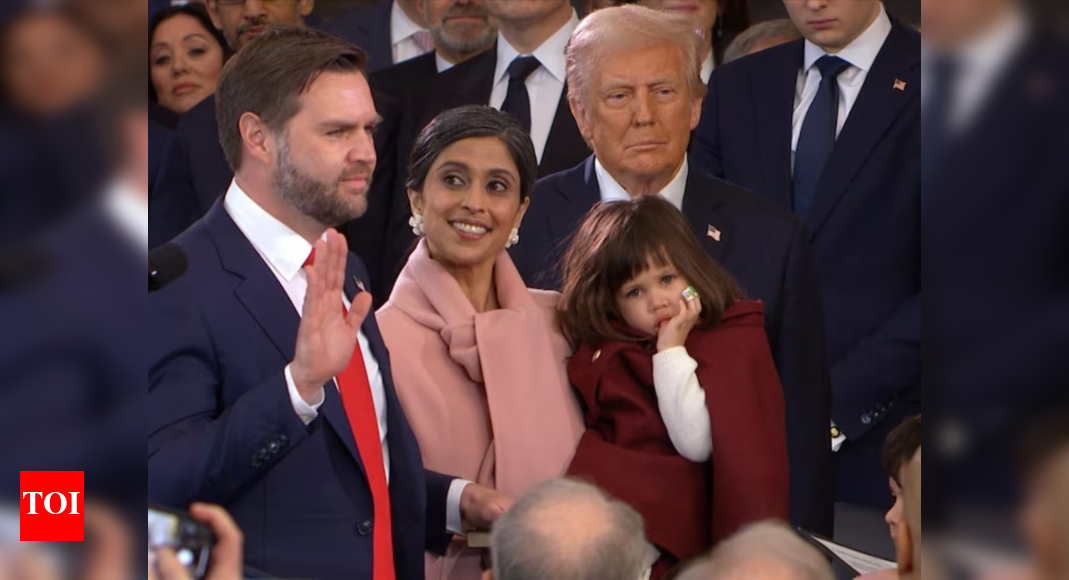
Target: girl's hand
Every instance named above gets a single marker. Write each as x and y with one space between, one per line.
674 332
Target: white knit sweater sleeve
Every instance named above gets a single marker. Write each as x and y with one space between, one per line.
681 400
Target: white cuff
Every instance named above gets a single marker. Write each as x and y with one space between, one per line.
837 442
682 404
306 412
454 520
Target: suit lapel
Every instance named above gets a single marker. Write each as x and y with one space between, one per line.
576 194
472 81
565 143
259 291
773 92
702 206
877 107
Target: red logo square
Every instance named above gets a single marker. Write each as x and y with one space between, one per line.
51 506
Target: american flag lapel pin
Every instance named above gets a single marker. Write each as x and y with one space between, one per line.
900 85
714 233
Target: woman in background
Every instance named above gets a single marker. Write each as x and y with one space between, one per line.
186 57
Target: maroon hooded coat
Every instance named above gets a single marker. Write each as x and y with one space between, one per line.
626 449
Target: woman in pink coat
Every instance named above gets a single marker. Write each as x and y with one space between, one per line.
478 360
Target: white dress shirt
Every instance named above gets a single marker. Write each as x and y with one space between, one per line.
613 191
707 68
442 63
128 209
860 53
982 61
545 85
401 31
285 251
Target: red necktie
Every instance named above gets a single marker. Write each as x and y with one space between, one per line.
359 406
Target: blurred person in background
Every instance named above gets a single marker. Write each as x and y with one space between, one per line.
568 530
761 36
119 23
995 140
762 551
1044 514
391 31
186 57
829 128
72 388
52 65
51 62
718 22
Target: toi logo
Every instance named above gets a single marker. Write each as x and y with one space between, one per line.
51 506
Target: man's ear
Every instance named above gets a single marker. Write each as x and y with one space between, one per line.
258 142
304 7
579 114
213 13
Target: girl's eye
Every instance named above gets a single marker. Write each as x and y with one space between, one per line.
632 293
668 279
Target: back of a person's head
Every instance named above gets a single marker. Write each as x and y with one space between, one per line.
762 551
568 530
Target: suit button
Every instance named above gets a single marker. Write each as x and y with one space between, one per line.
256 461
866 419
283 440
273 447
364 528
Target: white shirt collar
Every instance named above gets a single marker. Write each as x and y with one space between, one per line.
551 54
401 26
860 53
128 208
284 250
707 68
443 64
611 190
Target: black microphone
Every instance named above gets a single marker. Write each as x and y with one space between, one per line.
166 264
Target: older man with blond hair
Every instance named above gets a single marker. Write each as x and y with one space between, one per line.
635 92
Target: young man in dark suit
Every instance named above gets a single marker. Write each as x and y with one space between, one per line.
829 127
636 94
269 384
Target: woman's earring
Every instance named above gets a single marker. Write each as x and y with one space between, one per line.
514 238
416 221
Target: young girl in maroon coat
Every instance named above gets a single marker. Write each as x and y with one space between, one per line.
682 403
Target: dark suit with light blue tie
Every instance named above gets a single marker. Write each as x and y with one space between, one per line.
864 223
222 427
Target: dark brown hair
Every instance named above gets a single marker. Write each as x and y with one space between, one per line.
900 446
268 76
618 241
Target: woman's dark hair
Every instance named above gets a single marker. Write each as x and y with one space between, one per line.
900 446
197 11
618 241
734 17
468 122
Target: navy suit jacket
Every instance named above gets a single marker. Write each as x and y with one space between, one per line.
222 427
864 223
766 251
171 206
72 391
995 208
368 28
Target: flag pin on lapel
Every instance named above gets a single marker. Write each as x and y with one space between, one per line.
714 233
900 85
